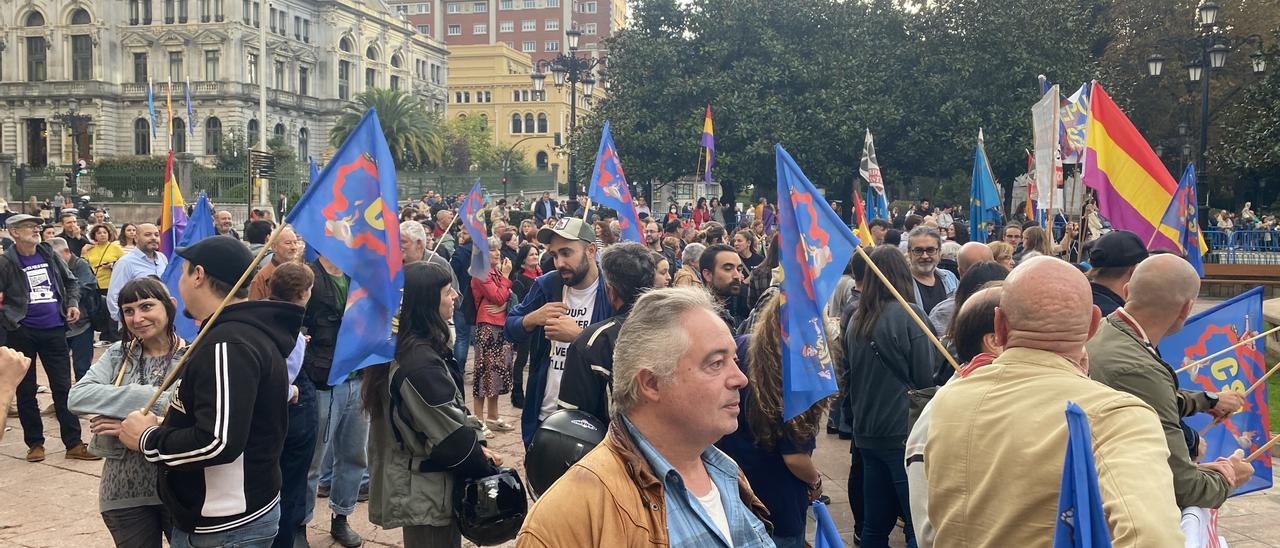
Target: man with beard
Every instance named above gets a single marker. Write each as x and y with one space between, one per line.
556 309
145 261
287 248
722 272
932 284
653 240
222 224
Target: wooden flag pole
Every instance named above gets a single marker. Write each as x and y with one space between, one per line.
1206 359
1253 387
902 301
1263 449
204 327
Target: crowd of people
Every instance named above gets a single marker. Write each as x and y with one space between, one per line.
669 348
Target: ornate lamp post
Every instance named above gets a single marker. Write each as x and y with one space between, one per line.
1205 53
76 122
574 69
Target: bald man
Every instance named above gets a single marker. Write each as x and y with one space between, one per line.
1158 299
146 260
998 437
972 253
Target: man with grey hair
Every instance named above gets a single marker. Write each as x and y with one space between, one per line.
444 222
932 285
657 478
413 248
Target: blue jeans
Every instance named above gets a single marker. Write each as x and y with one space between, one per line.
462 337
344 433
884 488
81 347
295 461
256 534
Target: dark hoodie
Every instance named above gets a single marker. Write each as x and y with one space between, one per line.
219 446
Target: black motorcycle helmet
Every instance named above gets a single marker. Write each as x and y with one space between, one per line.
491 509
562 440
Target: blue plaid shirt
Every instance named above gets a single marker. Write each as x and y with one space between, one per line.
688 523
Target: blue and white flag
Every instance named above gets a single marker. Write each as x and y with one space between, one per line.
1081 522
199 227
609 188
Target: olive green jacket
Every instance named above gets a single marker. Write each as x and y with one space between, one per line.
1120 357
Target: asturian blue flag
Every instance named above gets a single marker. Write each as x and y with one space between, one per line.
199 227
1081 523
609 188
877 205
826 536
984 200
349 214
309 252
472 211
1207 333
151 108
1181 216
816 246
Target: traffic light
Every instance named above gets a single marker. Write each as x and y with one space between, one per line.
504 180
70 180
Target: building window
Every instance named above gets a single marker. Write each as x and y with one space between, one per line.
516 124
466 96
589 28
395 82
524 95
297 28
252 133
371 54
515 95
370 78
244 7
506 4
479 29
586 7
80 17
252 65
455 30
304 139
484 121
175 66
541 161
134 10
141 137
278 132
528 25
402 10
542 122
344 80
507 26
345 44
551 45
146 12
530 4
424 29
213 136
81 57
453 7
528 123
182 11
36 65
140 68
457 97
306 30
211 65
179 137
424 8
551 24
168 12
304 81
279 80
257 17
528 46
272 15
553 3
206 14
480 7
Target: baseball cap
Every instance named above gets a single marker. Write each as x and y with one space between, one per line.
569 228
1119 248
14 220
224 258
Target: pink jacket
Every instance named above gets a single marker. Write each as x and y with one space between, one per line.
494 290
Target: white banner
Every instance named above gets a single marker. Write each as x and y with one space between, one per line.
1044 125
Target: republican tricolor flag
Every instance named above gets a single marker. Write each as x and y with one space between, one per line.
709 143
173 215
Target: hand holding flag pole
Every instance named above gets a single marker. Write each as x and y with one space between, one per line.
1219 420
1206 359
204 327
902 301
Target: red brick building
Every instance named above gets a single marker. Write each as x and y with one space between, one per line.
535 27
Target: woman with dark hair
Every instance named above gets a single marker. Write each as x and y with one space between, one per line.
661 271
421 436
102 255
522 277
1036 239
958 232
888 355
761 277
711 234
775 455
744 242
122 381
700 213
673 213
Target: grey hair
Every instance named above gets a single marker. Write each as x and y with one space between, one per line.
413 230
653 338
494 243
57 243
692 254
950 250
923 230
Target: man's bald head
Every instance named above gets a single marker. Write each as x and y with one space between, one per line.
1163 285
970 254
1047 305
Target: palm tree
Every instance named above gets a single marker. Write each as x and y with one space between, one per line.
412 132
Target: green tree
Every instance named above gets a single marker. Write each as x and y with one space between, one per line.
469 146
412 131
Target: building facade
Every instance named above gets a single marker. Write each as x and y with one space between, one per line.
103 55
492 82
534 27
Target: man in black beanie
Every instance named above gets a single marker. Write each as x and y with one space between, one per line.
1112 260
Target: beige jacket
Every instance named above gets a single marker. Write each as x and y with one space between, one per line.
996 446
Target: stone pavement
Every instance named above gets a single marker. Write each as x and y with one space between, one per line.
54 503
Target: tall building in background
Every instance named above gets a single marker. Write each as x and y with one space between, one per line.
533 27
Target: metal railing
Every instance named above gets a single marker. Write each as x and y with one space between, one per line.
1252 247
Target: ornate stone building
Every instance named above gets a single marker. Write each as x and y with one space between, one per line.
97 56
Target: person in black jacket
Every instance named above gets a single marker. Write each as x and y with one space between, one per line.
887 355
522 279
588 363
464 316
219 447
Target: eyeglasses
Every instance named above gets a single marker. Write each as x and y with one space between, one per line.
1013 236
922 251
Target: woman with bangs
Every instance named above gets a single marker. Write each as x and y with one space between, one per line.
121 381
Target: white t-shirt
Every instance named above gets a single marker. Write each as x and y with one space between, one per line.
715 508
581 304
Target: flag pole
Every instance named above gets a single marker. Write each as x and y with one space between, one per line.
204 328
932 338
446 229
1263 449
1206 359
1253 387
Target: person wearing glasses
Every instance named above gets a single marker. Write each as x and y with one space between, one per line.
932 284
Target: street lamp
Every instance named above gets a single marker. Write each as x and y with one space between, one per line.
1202 54
572 69
75 122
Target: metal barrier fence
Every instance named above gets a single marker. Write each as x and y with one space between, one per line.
1253 247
